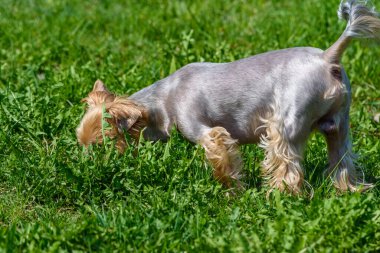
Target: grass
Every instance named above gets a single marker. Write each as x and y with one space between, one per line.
55 197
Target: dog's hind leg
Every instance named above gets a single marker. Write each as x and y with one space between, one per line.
283 144
341 158
223 153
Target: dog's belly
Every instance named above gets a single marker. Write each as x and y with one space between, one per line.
244 125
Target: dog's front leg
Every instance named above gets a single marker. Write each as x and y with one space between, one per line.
223 153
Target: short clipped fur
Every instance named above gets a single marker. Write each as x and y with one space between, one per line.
275 99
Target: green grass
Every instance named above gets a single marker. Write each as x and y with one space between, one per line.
56 197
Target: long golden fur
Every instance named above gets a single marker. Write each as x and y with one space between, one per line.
125 115
223 153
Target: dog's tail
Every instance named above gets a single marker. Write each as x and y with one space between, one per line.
362 22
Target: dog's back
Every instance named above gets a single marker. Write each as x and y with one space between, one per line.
235 95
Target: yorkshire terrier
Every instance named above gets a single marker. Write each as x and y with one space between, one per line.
275 99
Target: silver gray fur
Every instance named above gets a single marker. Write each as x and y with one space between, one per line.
351 11
235 95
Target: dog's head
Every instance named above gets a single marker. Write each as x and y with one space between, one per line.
109 115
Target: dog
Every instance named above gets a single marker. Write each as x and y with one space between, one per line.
275 99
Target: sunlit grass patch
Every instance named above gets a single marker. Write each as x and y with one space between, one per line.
56 196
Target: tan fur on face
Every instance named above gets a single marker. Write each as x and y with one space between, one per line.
223 153
89 130
125 114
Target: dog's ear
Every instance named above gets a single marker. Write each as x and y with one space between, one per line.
124 112
98 95
99 86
